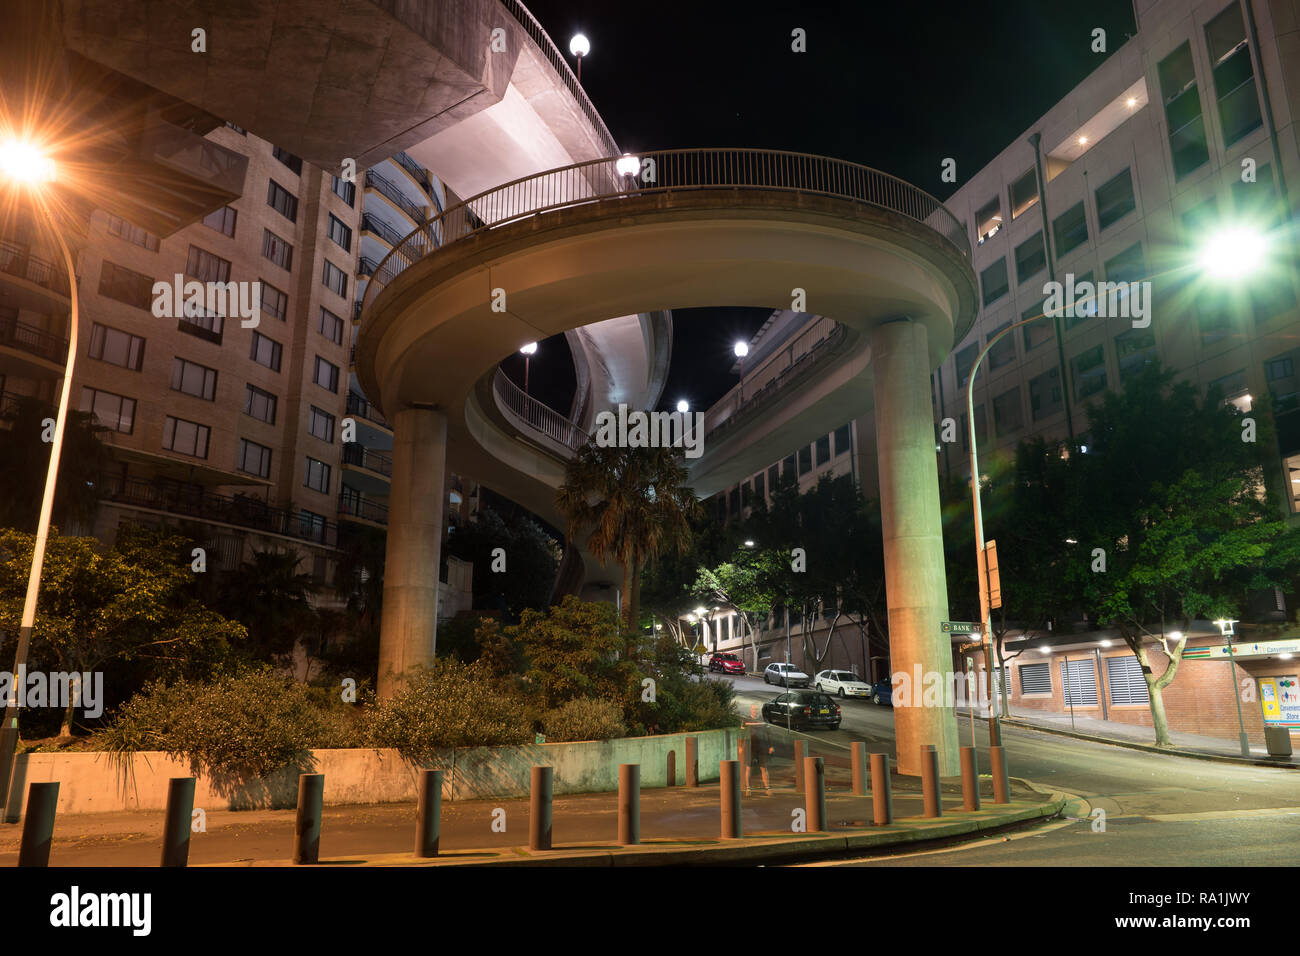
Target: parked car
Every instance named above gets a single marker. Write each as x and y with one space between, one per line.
787 675
803 708
882 692
843 683
726 664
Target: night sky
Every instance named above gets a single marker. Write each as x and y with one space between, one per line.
894 86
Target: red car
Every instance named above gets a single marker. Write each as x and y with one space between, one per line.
726 664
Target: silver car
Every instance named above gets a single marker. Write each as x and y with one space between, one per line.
787 675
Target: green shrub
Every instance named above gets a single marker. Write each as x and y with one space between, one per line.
586 719
448 704
249 723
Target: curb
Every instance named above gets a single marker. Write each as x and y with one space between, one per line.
1151 748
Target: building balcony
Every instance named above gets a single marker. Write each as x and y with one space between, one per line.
354 507
358 407
418 172
359 456
381 229
31 340
17 261
394 195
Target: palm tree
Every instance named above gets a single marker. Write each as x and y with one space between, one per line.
637 505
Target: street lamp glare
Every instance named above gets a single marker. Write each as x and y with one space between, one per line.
579 45
1232 253
741 349
628 165
701 611
749 542
529 349
683 406
1177 636
23 162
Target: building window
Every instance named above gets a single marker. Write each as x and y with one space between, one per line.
274 302
133 234
988 220
277 250
327 375
1135 350
787 467
746 495
223 220
331 326
733 500
1004 352
993 281
805 460
259 404
124 285
1023 193
1085 307
332 277
1045 395
282 201
321 424
1128 266
289 159
185 438
1114 199
823 450
318 475
760 490
1035 333
1079 678
202 325
773 477
254 459
266 352
965 361
843 440
1070 229
1186 125
1031 257
1234 76
1279 368
344 190
1035 678
116 348
207 267
981 428
1008 417
112 411
194 379
340 233
1257 201
1124 678
1089 372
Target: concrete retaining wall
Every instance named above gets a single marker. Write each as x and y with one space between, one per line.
90 782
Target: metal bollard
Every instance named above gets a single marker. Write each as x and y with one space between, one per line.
1001 785
176 825
798 765
671 775
882 800
970 779
38 824
692 762
306 828
629 804
930 781
814 795
729 789
858 757
428 815
539 809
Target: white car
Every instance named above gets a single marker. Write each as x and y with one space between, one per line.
787 675
844 683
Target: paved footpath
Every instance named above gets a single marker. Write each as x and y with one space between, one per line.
678 826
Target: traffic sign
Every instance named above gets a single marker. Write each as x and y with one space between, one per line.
701 649
959 627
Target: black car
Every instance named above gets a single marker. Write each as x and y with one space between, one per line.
803 708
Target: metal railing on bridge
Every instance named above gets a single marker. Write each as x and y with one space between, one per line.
537 415
668 171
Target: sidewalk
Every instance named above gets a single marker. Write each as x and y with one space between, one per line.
678 826
1137 736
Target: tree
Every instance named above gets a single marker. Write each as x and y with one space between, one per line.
746 585
132 603
270 598
637 507
514 563
83 459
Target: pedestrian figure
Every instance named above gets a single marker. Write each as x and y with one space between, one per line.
760 748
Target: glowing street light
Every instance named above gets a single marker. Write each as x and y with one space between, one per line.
1232 253
579 46
23 164
628 165
749 542
741 349
683 406
527 352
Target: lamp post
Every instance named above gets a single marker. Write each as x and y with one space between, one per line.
23 164
527 352
579 46
1225 628
628 166
741 349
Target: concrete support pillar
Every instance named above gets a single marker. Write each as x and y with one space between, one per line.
915 583
415 518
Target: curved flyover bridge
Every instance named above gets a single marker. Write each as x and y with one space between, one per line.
574 246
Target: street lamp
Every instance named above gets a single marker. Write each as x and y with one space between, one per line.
683 406
1225 628
1232 253
24 165
579 46
741 349
628 166
527 352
